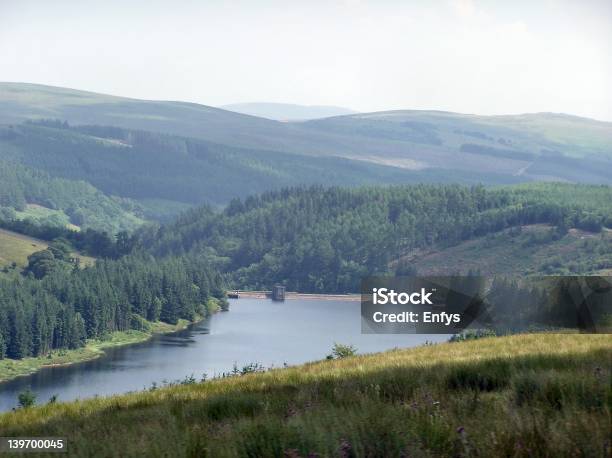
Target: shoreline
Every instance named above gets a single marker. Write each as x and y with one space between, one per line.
11 369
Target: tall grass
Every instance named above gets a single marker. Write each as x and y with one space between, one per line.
522 395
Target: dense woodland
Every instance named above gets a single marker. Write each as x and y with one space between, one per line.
57 305
325 240
310 239
75 202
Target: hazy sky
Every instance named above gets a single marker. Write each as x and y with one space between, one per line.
486 57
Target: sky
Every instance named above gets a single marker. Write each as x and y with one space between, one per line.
469 56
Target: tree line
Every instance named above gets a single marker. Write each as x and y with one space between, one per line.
319 239
311 239
63 306
89 241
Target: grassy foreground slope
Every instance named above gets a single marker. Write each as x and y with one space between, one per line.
523 395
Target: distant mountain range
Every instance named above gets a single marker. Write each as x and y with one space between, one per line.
166 155
287 111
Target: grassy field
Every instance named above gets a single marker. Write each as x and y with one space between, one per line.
11 368
16 248
523 395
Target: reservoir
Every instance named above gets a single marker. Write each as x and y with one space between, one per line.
253 331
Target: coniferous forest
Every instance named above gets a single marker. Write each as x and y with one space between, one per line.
326 240
306 229
310 239
58 305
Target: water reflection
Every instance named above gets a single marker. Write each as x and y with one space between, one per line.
254 331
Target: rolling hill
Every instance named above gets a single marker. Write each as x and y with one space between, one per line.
21 101
287 111
94 160
528 147
542 146
164 173
328 239
29 193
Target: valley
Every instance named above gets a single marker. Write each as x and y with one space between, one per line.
448 146
303 330
125 223
306 229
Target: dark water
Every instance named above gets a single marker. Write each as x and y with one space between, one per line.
253 331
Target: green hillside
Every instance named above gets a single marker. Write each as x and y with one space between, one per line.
540 249
15 248
326 240
580 136
524 395
522 250
526 133
22 101
542 146
166 172
29 193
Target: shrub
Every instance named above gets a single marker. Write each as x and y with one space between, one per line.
340 351
26 399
